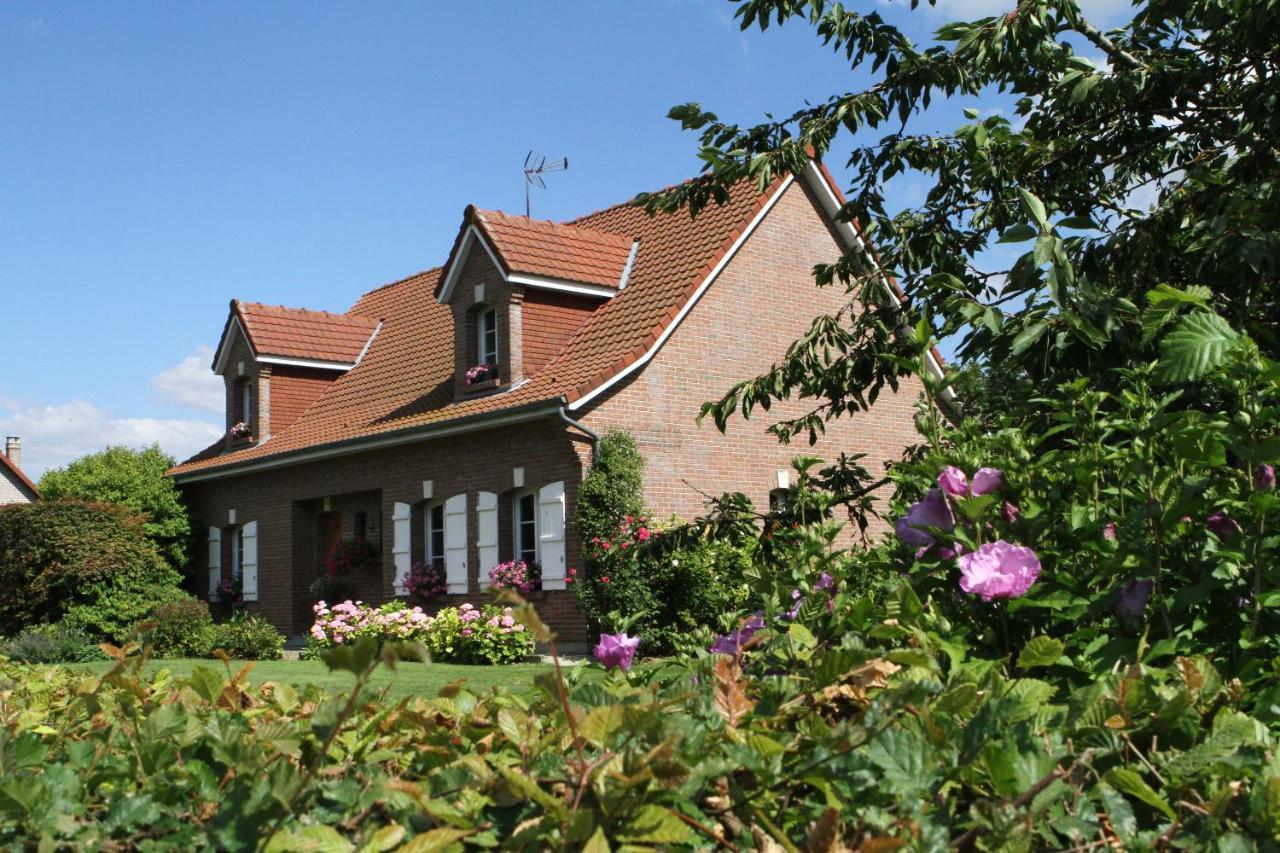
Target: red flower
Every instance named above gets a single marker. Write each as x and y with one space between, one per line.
643 534
604 579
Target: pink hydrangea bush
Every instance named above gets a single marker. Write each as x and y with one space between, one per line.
464 634
516 574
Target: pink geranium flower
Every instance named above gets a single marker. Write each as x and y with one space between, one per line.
998 570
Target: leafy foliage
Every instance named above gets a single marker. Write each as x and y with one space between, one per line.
91 563
51 644
247 636
612 489
134 479
180 629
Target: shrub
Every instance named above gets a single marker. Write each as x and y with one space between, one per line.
248 637
92 563
58 643
331 588
661 591
455 634
612 489
134 479
181 629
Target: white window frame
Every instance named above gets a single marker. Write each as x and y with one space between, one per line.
428 552
517 551
486 327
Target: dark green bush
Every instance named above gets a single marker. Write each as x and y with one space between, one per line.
248 637
59 643
90 562
613 489
181 629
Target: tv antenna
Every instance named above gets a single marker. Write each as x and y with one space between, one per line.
535 165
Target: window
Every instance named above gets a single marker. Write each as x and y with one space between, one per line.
246 402
237 553
779 501
487 336
434 518
526 527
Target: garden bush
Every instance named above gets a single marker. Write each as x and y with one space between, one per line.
465 634
58 643
659 590
90 563
180 629
247 636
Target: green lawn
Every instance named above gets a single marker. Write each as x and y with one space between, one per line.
409 679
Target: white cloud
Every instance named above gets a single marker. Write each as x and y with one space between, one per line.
1104 12
191 383
54 434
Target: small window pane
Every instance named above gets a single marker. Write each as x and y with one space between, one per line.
527 528
488 336
435 533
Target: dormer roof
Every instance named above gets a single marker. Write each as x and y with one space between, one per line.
280 335
540 253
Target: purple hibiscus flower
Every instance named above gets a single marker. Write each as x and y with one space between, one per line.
1223 525
931 511
998 570
1264 478
953 481
1133 596
616 651
731 643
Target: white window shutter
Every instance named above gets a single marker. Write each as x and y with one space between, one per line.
401 536
551 534
249 561
215 561
487 532
455 544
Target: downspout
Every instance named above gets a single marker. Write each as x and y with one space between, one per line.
584 429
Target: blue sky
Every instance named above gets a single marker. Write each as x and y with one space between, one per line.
158 159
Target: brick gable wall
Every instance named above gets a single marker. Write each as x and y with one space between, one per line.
764 299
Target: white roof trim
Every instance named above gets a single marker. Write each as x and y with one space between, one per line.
224 346
368 343
817 181
304 362
631 261
688 306
451 277
473 235
550 283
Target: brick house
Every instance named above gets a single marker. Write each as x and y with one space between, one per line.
367 425
15 486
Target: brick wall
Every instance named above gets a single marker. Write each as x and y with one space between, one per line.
763 300
549 319
12 491
285 501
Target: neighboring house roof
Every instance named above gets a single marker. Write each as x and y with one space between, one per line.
19 476
296 333
403 388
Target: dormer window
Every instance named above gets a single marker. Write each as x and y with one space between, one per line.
246 402
487 337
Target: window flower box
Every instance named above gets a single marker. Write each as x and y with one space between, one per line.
240 433
481 374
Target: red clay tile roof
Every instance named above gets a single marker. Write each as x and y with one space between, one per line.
17 472
299 333
540 247
405 381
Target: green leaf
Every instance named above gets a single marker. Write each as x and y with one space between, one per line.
657 825
1041 651
1019 233
386 838
1034 208
1199 344
1119 812
1132 783
317 838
